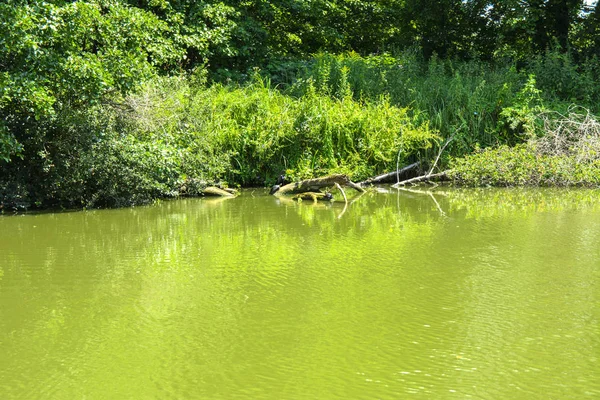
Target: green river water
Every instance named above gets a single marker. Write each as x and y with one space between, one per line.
488 294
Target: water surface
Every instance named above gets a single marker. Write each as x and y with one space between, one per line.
450 294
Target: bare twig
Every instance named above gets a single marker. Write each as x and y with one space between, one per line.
430 174
398 165
388 177
450 139
337 185
423 178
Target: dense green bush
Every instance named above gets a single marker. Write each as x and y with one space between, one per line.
560 79
567 154
176 132
521 165
461 99
479 103
259 131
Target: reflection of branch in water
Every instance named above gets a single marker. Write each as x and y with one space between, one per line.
417 191
337 185
344 210
426 192
320 204
357 197
437 204
290 201
354 200
213 201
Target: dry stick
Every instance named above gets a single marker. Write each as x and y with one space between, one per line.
451 138
422 179
337 185
398 166
383 178
429 174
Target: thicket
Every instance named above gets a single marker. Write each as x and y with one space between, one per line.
562 150
117 102
176 133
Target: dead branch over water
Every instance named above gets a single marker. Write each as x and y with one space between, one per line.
390 177
316 184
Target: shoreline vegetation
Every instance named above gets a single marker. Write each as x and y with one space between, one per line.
110 104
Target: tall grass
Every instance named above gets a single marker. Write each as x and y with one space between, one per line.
261 131
467 100
460 99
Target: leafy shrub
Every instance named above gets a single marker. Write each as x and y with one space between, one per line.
262 132
461 99
175 133
567 155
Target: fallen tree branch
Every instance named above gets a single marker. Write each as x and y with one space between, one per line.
337 185
389 177
427 177
424 178
314 185
228 190
215 191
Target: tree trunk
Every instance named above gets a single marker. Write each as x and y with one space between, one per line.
313 185
215 191
425 178
391 177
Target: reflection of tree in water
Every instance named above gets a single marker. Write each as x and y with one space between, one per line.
210 284
480 203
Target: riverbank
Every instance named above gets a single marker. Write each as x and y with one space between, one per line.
360 116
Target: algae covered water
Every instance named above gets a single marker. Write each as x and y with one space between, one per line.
442 294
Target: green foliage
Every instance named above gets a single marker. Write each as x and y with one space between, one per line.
62 55
88 116
175 133
521 165
519 121
263 132
456 98
567 155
